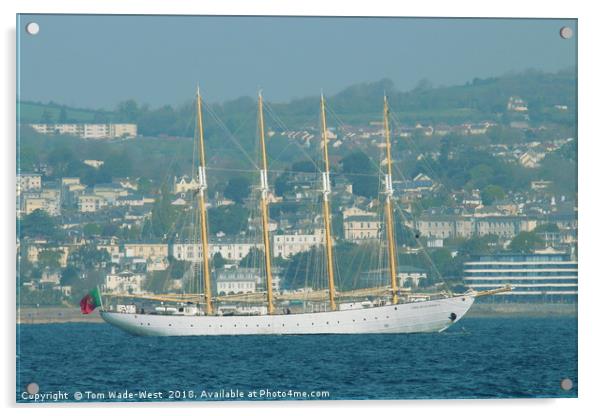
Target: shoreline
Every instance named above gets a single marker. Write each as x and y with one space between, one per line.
55 315
60 315
514 310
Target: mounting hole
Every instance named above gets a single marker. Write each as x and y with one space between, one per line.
566 32
32 28
566 384
33 388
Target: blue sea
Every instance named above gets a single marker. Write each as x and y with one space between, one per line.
476 358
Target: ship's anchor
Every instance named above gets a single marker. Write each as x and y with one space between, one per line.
453 317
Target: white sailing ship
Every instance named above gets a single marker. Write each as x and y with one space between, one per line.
362 311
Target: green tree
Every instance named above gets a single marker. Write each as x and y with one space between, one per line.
478 245
92 229
358 168
492 193
38 224
445 264
63 161
547 227
282 184
524 242
229 219
163 215
46 117
69 275
63 115
254 258
218 261
128 111
89 256
49 258
177 268
238 188
145 186
117 165
404 236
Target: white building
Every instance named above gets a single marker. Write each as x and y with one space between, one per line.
545 276
287 245
185 184
125 282
89 130
517 104
237 281
96 164
228 249
361 228
34 202
531 159
91 203
28 182
410 274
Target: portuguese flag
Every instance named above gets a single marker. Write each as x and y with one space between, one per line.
91 301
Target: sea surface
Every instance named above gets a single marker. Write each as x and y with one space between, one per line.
476 358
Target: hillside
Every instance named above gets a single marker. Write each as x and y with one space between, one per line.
477 100
34 112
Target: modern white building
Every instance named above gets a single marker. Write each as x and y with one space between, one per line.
535 277
89 130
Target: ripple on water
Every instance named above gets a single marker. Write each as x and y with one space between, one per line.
485 357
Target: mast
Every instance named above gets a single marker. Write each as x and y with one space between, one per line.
202 208
389 208
326 193
264 209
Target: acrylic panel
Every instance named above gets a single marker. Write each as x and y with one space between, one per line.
229 208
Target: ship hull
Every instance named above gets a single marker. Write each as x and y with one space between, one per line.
428 316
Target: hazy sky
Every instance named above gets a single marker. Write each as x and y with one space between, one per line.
97 61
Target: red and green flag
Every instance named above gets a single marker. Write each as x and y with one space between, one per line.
91 301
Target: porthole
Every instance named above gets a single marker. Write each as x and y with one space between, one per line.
192 326
396 308
148 324
326 322
169 324
282 324
364 319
